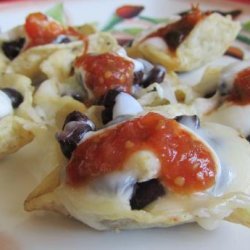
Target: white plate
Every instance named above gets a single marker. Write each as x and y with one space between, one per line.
20 173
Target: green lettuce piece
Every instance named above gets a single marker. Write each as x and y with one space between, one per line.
243 39
246 26
154 20
57 13
133 31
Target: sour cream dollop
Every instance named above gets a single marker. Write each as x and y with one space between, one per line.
5 105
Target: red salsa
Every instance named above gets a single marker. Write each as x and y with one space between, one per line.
41 30
240 93
187 165
106 71
175 33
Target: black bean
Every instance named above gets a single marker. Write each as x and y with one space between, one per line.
156 74
12 49
15 96
248 138
224 89
146 192
138 77
191 121
76 125
210 94
62 39
108 101
68 139
77 116
107 115
149 74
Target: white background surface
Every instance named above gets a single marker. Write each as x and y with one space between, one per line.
19 174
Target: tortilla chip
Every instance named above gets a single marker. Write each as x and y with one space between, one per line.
208 40
13 135
42 196
102 42
104 204
51 106
86 29
22 84
240 216
28 62
59 64
3 63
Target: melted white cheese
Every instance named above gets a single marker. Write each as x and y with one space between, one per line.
233 115
157 42
194 77
226 142
126 104
5 105
141 166
229 113
138 65
106 199
229 73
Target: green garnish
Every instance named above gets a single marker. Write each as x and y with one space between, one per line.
246 26
132 31
244 39
57 13
154 20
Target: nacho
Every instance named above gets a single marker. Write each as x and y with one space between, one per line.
206 38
